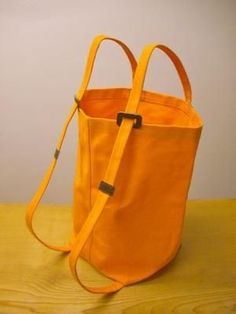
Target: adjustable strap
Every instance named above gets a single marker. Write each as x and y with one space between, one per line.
43 185
100 202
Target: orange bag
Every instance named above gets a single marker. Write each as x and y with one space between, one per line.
134 165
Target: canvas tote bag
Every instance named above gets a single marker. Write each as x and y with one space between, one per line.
134 164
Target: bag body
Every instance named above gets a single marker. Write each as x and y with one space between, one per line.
140 228
135 158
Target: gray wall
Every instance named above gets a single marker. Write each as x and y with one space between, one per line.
43 47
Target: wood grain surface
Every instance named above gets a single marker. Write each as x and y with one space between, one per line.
201 279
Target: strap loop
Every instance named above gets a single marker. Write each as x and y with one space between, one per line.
135 94
136 117
91 59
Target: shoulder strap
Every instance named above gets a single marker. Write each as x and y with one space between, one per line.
100 202
116 157
43 185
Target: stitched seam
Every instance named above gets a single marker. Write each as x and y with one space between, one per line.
90 187
144 98
172 106
186 112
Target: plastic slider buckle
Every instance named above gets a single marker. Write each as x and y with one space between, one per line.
106 188
56 154
132 116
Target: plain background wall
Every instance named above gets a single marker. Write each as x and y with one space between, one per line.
43 48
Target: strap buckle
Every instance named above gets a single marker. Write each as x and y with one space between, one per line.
138 119
106 188
56 154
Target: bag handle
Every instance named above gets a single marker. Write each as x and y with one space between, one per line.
141 70
44 183
91 59
126 125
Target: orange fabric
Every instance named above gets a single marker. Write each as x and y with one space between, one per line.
134 233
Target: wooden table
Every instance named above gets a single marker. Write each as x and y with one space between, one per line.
202 278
